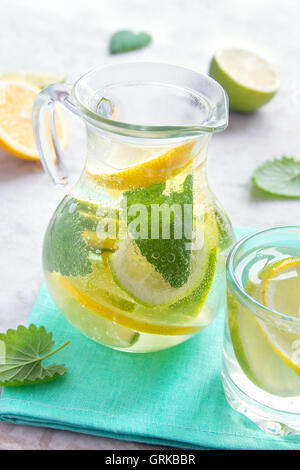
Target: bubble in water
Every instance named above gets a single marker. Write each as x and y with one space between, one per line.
72 207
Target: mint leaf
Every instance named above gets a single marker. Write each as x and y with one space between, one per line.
21 354
280 177
126 40
65 251
158 251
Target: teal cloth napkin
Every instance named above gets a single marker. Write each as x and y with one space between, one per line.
173 397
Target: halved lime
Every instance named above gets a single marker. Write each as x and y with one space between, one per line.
249 80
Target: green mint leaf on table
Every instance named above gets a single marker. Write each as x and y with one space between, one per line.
65 250
126 40
158 251
280 177
21 354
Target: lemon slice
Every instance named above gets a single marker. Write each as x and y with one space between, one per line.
16 134
280 291
40 80
249 80
268 352
141 281
101 296
256 354
153 171
94 326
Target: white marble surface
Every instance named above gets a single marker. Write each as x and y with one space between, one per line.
71 36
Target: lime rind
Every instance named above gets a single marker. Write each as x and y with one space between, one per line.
137 321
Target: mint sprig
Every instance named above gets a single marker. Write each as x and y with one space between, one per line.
21 354
127 40
279 177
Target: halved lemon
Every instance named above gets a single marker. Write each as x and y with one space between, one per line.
16 133
267 350
152 171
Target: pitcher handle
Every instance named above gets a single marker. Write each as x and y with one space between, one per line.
45 103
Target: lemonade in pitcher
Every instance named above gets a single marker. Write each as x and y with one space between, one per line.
134 255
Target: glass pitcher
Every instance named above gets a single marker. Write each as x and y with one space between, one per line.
134 256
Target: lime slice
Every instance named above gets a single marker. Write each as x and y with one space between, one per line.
94 242
101 329
269 353
249 80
